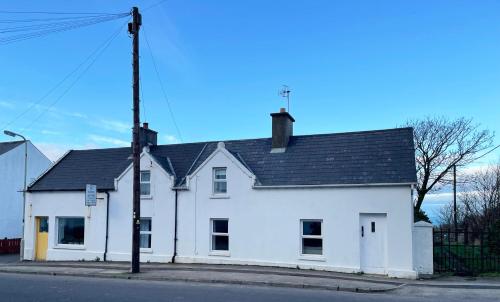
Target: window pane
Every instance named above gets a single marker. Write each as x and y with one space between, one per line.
220 173
145 189
220 226
220 243
71 230
145 241
220 187
312 246
311 228
44 225
146 224
145 176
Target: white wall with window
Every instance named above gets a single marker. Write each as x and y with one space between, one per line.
219 181
146 233
65 241
305 227
145 183
311 237
70 230
75 232
219 236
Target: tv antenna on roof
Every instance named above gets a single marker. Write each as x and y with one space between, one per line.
285 93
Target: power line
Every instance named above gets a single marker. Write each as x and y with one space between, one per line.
107 44
62 26
54 13
49 92
161 85
154 5
39 25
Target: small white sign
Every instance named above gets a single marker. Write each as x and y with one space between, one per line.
91 195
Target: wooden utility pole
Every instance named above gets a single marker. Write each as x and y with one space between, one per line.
133 29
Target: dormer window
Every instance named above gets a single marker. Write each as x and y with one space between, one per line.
220 181
145 183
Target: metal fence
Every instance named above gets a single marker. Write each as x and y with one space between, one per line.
10 246
465 252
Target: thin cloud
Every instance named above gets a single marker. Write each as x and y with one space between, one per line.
7 105
169 139
99 139
114 125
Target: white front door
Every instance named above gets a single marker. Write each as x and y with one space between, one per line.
373 243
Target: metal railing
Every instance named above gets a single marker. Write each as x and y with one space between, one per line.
465 252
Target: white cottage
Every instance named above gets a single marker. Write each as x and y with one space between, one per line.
12 182
339 202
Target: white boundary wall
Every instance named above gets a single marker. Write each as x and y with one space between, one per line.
423 248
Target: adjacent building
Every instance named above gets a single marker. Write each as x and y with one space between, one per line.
339 202
12 183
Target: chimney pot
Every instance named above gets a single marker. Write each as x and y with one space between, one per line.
145 125
282 110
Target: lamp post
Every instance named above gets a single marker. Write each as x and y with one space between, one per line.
13 134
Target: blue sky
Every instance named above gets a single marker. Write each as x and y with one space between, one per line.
351 65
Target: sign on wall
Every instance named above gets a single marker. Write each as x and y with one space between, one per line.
91 195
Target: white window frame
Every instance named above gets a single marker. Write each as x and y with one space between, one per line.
214 252
150 233
145 182
214 180
58 245
302 237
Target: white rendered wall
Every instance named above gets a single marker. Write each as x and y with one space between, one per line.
66 204
423 248
264 224
72 204
160 207
11 186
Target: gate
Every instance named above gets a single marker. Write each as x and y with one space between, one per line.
10 246
466 253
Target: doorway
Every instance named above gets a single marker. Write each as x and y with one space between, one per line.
373 236
42 238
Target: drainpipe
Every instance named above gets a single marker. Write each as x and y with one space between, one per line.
175 228
107 228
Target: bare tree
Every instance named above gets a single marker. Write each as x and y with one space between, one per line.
441 143
481 198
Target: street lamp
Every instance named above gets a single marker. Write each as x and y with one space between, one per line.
13 134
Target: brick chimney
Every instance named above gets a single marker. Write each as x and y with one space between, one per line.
147 137
282 130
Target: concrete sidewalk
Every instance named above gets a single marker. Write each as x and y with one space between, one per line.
244 275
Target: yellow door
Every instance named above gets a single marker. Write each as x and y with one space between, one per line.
42 238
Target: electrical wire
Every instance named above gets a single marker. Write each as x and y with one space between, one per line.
54 13
50 91
57 27
61 23
101 51
154 5
161 85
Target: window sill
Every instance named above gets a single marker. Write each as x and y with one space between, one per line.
312 257
219 196
146 250
69 247
219 253
146 197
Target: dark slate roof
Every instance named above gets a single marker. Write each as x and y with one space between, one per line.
7 146
368 157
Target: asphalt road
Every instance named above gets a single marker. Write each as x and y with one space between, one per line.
18 287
